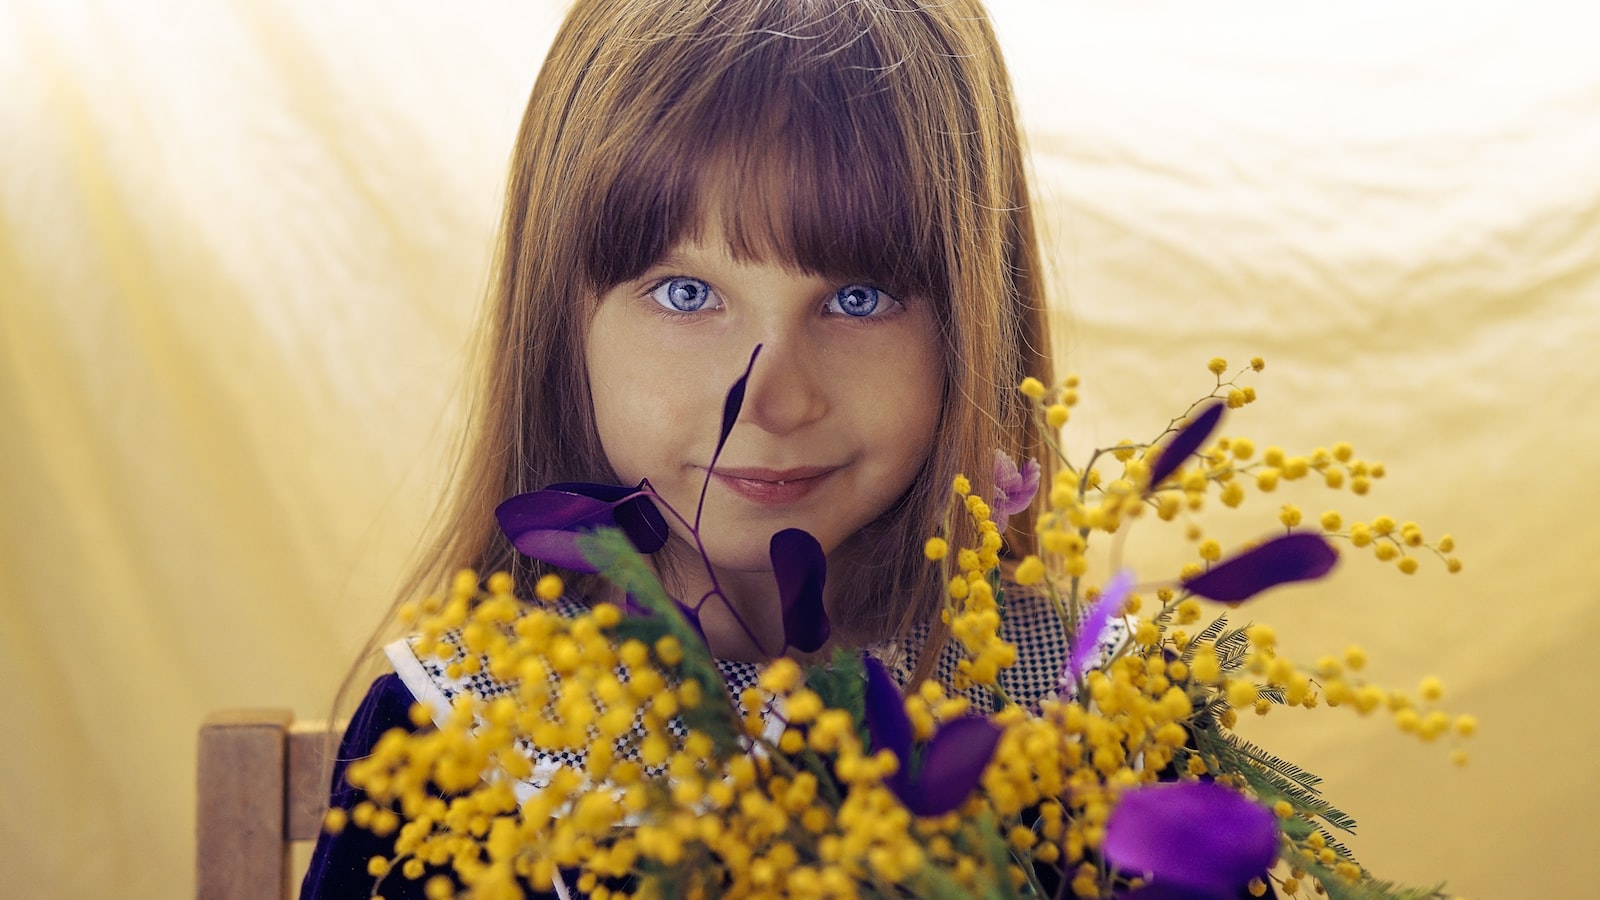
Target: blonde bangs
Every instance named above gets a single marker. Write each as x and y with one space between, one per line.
786 129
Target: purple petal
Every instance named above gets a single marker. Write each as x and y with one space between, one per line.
642 523
1005 471
1079 655
632 511
541 524
558 548
1006 475
1294 557
545 525
1030 482
1185 442
952 763
887 722
1195 835
1013 489
801 569
734 402
553 507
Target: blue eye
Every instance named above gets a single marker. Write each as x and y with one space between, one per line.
857 300
682 294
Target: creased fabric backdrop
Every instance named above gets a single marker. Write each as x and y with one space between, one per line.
242 242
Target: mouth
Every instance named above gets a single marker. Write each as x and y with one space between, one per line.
773 487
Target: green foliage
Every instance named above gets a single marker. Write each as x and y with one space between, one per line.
608 550
1272 778
841 683
1367 888
1208 633
1232 647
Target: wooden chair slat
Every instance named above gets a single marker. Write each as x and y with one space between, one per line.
260 783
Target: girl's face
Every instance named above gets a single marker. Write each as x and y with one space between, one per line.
839 414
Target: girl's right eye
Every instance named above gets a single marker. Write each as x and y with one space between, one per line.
684 295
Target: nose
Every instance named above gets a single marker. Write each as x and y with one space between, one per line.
788 388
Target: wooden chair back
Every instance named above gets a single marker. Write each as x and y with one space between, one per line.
260 780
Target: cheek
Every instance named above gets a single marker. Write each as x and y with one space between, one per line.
908 409
919 433
625 419
612 372
642 399
923 395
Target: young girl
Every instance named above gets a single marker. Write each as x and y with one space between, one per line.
839 181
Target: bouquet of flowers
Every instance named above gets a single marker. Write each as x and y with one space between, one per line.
618 759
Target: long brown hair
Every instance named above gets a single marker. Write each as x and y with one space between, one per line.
861 139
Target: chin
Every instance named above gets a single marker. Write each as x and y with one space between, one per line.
749 554
743 544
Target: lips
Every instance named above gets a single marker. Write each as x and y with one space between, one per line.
773 487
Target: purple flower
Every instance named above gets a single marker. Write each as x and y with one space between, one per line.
1185 443
801 569
1013 488
1090 627
1300 556
1194 839
952 761
546 524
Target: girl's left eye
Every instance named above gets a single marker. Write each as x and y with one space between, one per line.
860 301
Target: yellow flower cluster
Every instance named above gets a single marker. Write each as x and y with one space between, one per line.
670 786
973 612
1148 710
1072 760
804 815
577 690
1416 713
1088 500
1391 542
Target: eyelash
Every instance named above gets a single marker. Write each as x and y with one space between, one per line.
666 309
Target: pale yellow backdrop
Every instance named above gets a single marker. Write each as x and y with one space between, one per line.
241 243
